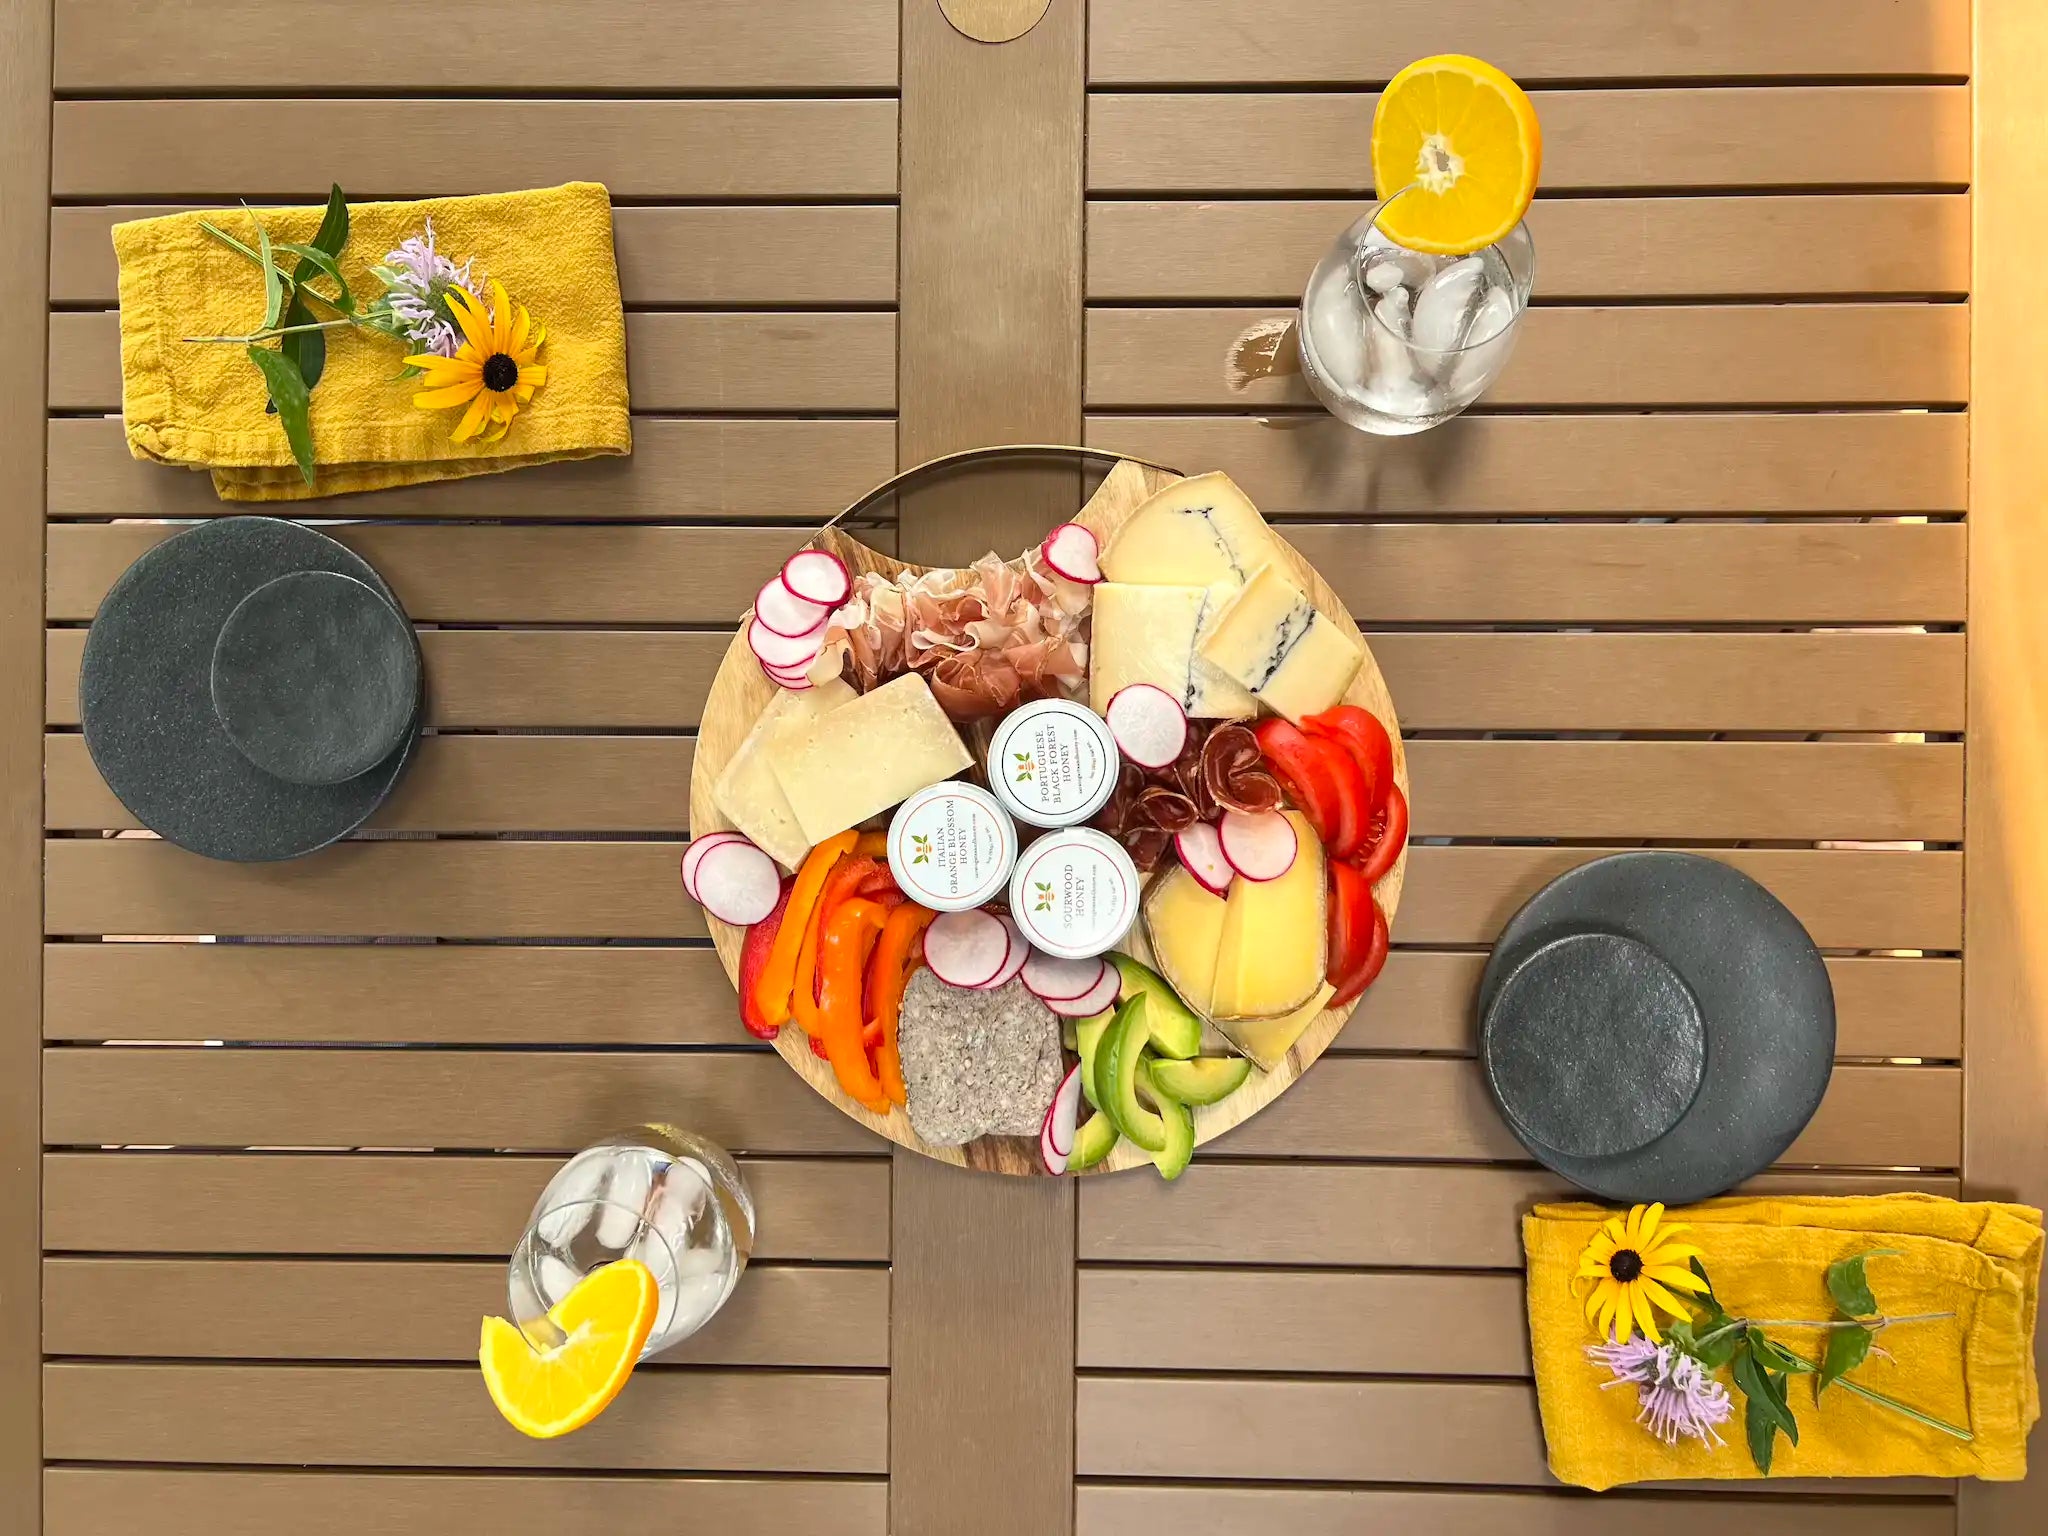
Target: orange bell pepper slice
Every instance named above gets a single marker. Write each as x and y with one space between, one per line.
846 879
887 976
850 935
874 845
773 987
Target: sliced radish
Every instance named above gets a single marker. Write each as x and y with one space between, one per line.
785 651
966 949
1260 845
1200 850
1091 1002
1052 1157
1054 978
1148 723
1065 1112
1013 962
1072 552
737 883
817 576
798 676
783 612
694 855
793 682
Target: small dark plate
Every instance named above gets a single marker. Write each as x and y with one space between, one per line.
1763 999
315 677
146 697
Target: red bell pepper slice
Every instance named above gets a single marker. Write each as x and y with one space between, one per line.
754 950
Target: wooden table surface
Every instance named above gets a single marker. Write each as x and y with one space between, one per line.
1746 535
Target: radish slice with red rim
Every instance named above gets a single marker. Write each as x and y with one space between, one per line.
1148 723
1072 552
1052 978
966 949
1013 962
737 883
694 855
1200 850
798 676
784 613
1091 1002
1259 846
788 652
817 576
1054 1160
1064 1114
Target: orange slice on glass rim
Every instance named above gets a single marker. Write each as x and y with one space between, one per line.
1463 139
548 1392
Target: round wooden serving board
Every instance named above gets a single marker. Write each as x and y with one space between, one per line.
740 692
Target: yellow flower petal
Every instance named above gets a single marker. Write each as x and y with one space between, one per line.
476 325
473 419
1678 1279
1662 1299
535 374
453 394
1672 1253
521 323
538 336
1612 1229
434 362
522 393
1633 1229
1644 1314
1648 1232
1591 1268
501 316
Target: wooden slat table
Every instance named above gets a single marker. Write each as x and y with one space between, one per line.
1743 554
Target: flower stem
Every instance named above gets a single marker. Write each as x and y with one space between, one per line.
1873 1324
232 243
279 330
1898 1407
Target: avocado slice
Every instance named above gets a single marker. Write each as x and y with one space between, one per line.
1176 1028
1093 1142
1088 1035
1117 1063
1179 1123
1204 1080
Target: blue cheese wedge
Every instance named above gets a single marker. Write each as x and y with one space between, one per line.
1197 532
1293 658
1148 634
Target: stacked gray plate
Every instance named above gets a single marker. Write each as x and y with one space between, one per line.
251 689
1656 1026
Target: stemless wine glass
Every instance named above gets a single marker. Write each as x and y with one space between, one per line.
664 1196
1394 341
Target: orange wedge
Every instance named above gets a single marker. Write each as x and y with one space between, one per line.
1465 138
548 1392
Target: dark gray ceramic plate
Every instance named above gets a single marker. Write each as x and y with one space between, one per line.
1762 996
146 700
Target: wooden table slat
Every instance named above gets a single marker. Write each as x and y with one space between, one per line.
414 1206
365 1310
1848 898
1312 41
1902 243
507 45
503 994
1860 136
1742 355
89 1501
439 1416
1434 573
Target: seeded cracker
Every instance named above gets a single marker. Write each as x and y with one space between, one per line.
976 1063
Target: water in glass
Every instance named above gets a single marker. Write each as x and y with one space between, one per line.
664 1196
1394 341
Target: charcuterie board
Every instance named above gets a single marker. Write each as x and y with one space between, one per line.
741 692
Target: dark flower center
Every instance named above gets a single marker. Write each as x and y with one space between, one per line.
1625 1265
500 372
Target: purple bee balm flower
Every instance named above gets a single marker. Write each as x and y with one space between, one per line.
417 279
1674 1392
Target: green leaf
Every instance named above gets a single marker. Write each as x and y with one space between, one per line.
273 281
1762 1430
1775 1357
288 394
1848 1285
333 233
304 350
1847 1349
1718 1352
1681 1334
313 260
1767 1387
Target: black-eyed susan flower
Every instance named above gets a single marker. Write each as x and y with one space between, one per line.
494 371
1629 1271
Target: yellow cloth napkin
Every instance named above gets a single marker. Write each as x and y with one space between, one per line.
1768 1259
202 406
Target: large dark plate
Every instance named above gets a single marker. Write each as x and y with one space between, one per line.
1762 995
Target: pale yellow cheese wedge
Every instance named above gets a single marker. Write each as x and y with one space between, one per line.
1267 1041
1272 950
1184 925
748 791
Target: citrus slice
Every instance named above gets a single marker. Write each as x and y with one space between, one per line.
548 1392
1464 137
